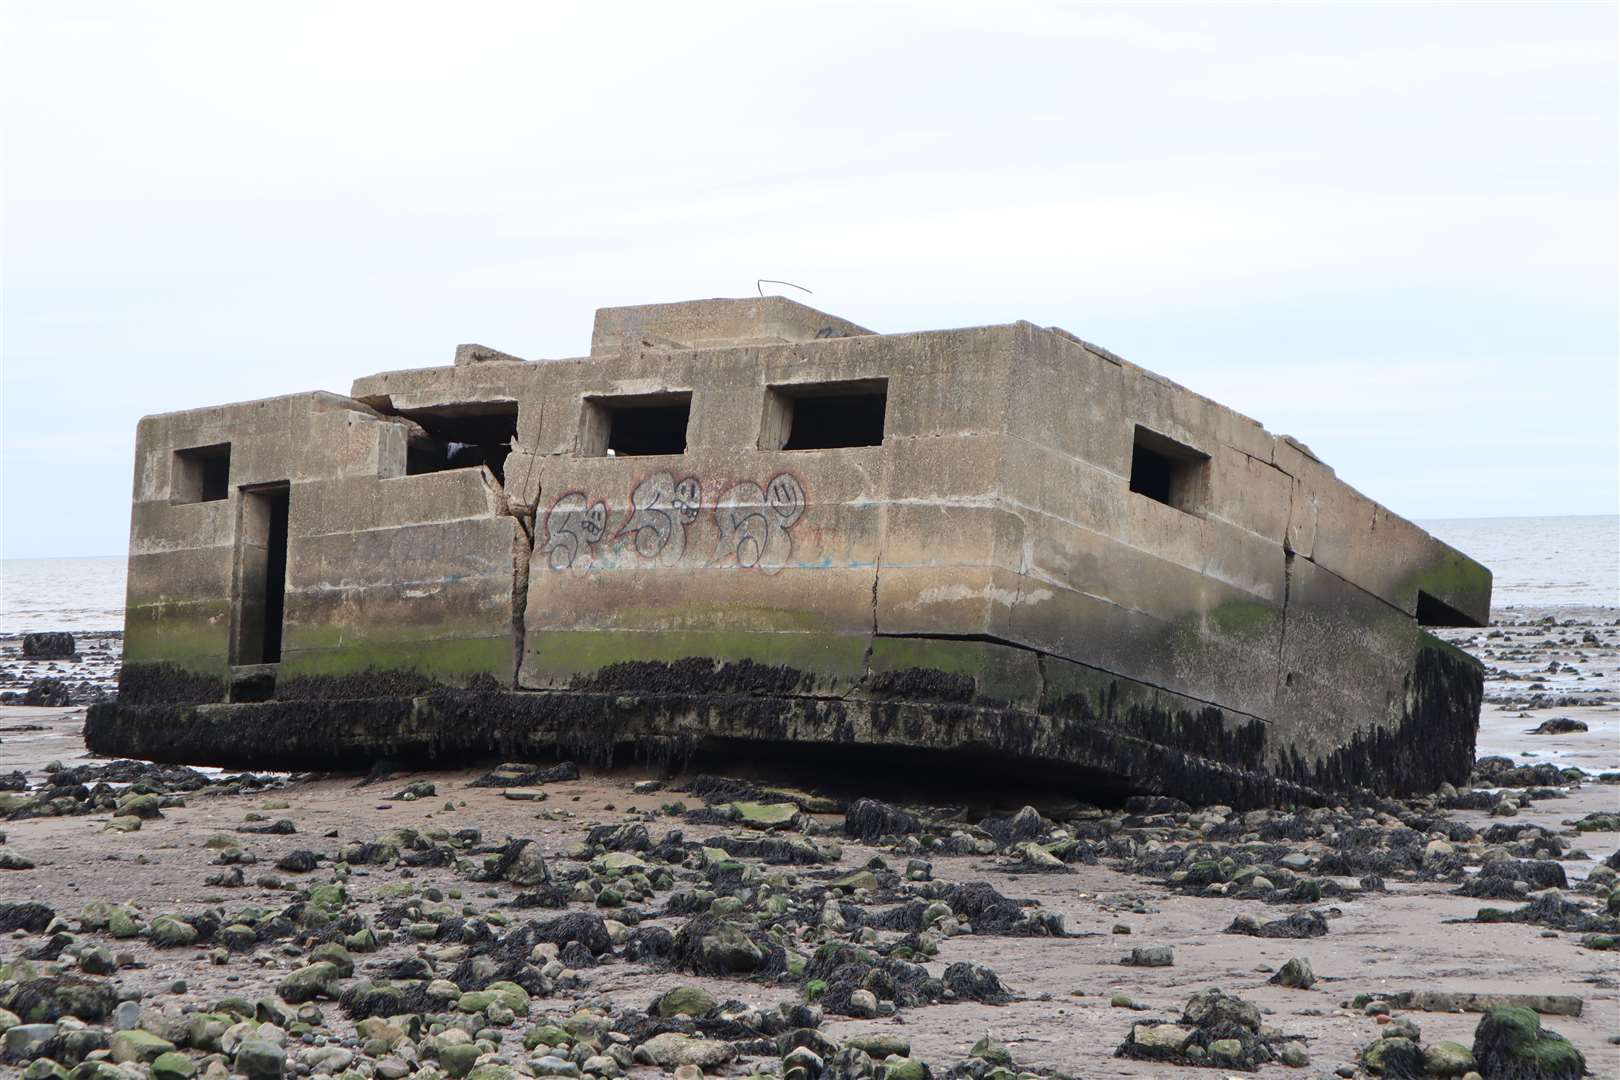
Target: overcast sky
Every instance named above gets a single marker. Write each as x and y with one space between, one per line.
1389 230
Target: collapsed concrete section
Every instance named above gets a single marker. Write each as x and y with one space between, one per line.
747 521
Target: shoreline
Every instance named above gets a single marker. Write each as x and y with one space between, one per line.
1115 867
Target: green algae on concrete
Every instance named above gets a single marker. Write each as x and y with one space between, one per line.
999 672
453 661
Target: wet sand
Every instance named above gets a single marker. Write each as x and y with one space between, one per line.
1060 1021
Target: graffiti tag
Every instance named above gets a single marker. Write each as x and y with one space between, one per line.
752 523
572 525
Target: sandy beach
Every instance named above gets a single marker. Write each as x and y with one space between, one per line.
424 900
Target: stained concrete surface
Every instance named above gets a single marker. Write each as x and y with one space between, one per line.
998 504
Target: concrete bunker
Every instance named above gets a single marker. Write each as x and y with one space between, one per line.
747 523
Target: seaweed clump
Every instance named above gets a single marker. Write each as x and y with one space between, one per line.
869 820
1301 924
1511 1044
45 1001
1553 910
30 916
1216 1029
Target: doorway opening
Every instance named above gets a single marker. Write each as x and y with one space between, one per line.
261 574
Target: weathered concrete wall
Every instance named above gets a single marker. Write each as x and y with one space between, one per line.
988 558
732 551
364 543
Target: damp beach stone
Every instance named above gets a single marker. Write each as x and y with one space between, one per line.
1396 1056
318 980
770 816
1150 956
691 1001
168 932
172 1065
136 1045
1296 974
260 1059
526 865
673 1048
1447 1059
48 693
1160 1040
1560 725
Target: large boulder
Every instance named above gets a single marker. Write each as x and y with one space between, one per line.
44 1001
1447 1059
1161 1040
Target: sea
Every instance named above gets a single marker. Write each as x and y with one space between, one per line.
1537 562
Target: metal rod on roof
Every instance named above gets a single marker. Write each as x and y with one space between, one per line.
760 283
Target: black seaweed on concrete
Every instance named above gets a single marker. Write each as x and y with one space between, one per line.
922 684
662 713
692 675
363 684
1433 743
167 684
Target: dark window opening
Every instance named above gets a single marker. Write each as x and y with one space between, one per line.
1169 472
261 574
201 474
825 416
636 426
462 437
1435 612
